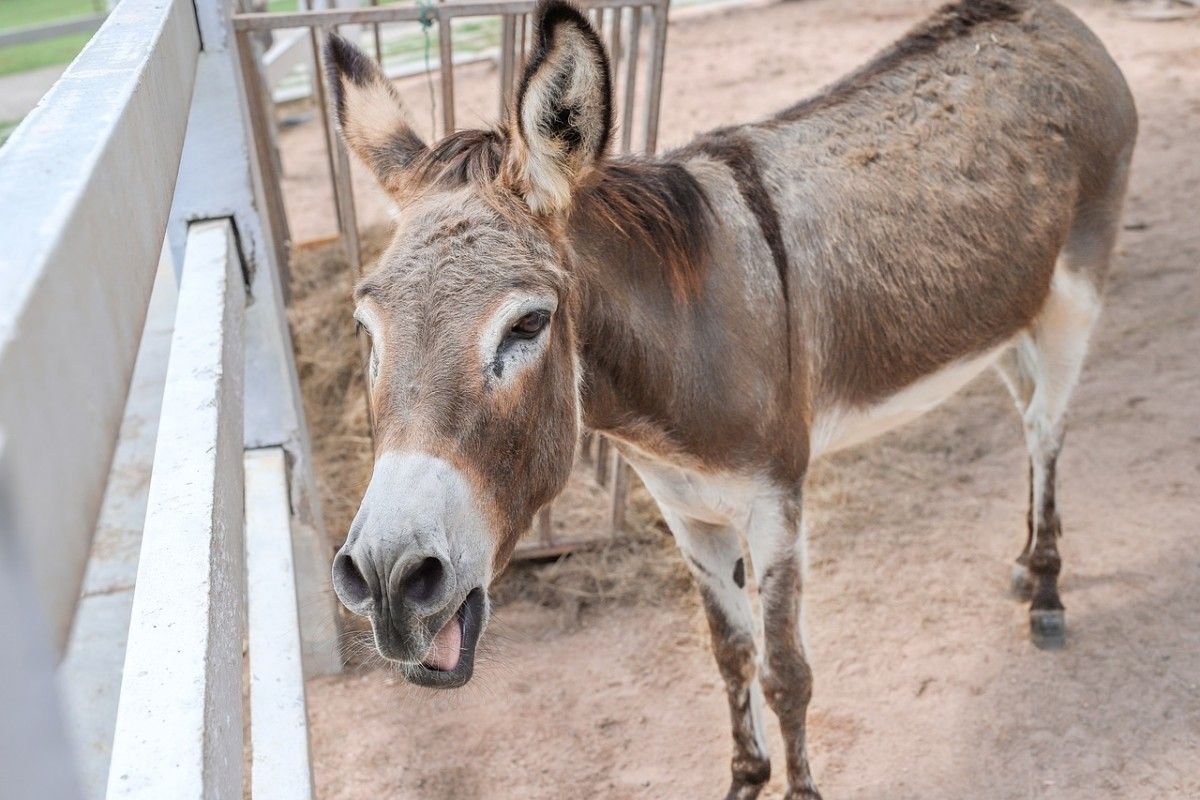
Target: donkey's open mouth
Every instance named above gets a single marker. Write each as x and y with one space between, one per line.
450 659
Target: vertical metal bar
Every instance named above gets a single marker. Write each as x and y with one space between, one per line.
263 90
343 189
508 58
446 58
378 42
602 449
658 50
318 83
620 492
522 22
614 60
631 67
268 166
614 38
585 446
544 530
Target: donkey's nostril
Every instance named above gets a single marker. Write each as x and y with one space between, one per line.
424 581
349 582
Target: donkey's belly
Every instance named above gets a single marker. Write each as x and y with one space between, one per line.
837 427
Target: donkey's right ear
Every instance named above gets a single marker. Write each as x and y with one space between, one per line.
372 118
563 111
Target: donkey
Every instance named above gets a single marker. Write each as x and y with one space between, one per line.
727 313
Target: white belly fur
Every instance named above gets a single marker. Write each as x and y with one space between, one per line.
728 498
840 427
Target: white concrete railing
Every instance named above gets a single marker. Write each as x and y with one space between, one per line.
76 271
88 184
181 695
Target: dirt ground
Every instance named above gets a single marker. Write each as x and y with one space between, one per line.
926 683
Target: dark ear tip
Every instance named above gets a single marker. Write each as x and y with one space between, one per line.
553 12
336 49
344 58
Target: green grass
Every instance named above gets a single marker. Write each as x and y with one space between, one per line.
32 55
21 13
7 126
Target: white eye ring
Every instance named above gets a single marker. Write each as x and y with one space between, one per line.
499 363
366 319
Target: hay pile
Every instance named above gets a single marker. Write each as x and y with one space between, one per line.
641 565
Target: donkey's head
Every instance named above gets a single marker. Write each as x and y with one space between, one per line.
473 373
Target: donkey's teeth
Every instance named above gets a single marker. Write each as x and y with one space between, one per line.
446 648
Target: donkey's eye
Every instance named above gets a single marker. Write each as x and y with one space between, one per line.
530 325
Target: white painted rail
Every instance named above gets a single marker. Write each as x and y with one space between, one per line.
89 185
280 768
179 722
33 746
76 270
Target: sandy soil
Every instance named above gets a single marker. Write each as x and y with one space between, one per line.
926 683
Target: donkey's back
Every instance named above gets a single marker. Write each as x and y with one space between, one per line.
924 200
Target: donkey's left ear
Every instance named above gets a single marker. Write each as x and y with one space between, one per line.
563 109
372 119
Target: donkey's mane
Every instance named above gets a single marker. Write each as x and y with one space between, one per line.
653 203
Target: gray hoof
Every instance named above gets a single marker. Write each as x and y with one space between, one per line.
1048 628
1020 584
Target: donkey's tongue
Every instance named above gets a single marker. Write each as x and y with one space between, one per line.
446 648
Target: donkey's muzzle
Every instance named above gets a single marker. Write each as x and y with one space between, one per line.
421 617
416 562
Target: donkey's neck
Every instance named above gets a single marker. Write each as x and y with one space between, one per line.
679 379
624 319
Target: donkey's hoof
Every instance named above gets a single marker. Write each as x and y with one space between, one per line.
749 778
1048 628
1020 585
744 791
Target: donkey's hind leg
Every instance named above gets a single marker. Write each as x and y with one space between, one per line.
1042 372
713 554
1020 385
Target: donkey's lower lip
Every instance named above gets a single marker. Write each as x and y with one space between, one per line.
444 670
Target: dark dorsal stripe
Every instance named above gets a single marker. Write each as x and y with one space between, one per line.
953 21
737 154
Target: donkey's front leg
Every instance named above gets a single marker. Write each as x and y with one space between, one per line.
714 556
777 549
